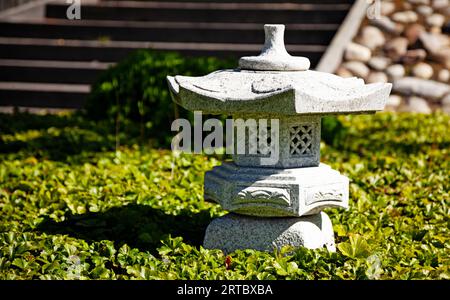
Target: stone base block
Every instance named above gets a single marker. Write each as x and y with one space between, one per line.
233 231
266 192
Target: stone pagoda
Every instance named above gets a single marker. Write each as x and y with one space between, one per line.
277 204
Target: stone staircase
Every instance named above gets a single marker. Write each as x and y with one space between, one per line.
50 61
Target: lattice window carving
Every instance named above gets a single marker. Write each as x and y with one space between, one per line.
301 140
261 148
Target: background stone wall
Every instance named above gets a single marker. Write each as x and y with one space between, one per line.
407 44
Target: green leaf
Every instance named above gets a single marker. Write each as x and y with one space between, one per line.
355 247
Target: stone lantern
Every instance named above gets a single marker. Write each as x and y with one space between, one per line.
278 203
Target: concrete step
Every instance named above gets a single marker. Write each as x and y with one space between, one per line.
306 34
112 51
60 49
52 62
43 94
78 72
284 13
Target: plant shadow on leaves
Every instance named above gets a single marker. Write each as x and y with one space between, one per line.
57 148
59 137
54 137
138 226
370 147
22 121
390 135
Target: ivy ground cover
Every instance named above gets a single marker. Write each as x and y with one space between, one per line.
73 206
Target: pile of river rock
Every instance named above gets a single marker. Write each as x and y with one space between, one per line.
408 44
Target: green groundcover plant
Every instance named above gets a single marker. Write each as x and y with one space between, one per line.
74 207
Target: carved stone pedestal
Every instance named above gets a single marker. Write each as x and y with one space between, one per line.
273 207
272 192
233 231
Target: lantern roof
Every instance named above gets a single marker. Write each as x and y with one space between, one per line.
277 83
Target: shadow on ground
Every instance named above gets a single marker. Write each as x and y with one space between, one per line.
371 141
57 147
373 147
138 226
60 137
54 137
